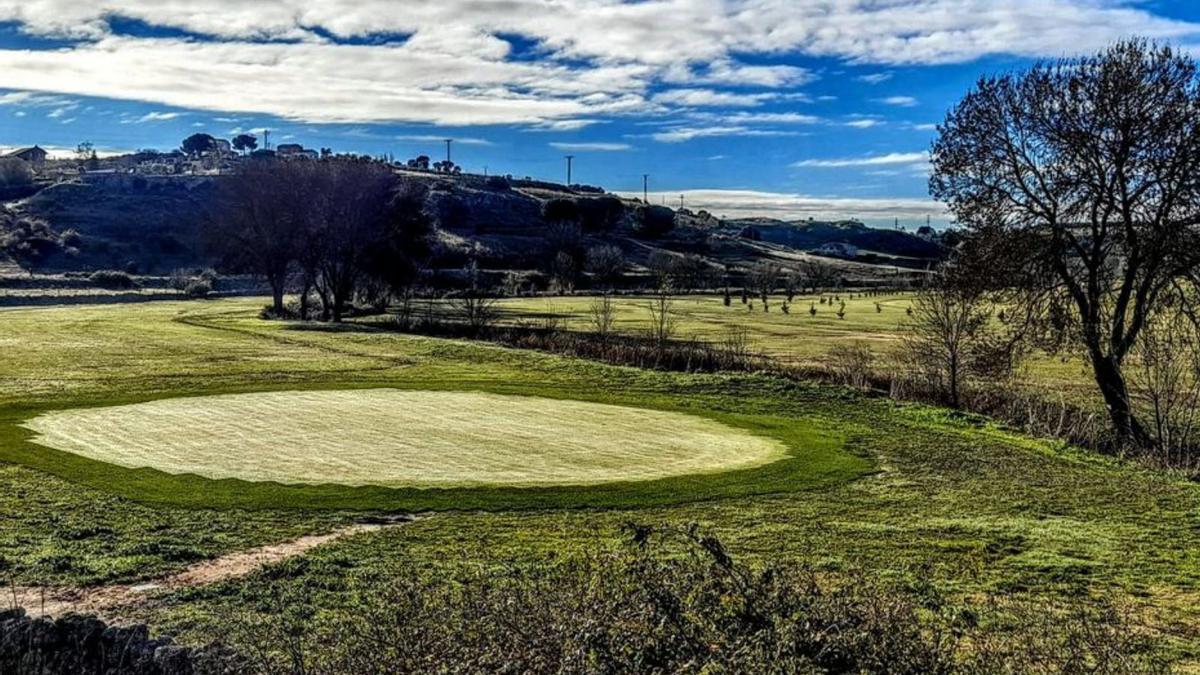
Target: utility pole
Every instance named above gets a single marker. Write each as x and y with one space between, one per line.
266 139
448 142
569 158
680 202
646 188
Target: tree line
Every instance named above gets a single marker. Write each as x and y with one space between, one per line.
338 227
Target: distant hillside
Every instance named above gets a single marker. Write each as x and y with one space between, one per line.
154 224
808 235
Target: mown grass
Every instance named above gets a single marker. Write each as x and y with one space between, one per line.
954 508
796 337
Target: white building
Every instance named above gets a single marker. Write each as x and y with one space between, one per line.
837 249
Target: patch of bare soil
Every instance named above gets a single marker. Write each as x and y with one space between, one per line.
109 603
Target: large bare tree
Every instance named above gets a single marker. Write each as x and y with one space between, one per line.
261 218
1077 182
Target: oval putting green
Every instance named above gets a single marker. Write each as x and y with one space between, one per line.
403 438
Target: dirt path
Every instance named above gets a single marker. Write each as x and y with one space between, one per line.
108 602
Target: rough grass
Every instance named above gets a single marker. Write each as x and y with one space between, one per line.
394 438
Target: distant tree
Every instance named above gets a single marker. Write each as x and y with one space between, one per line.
652 222
261 220
600 214
561 211
365 225
763 278
606 263
245 143
1075 184
197 144
564 270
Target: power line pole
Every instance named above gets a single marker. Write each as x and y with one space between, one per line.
680 202
448 142
266 139
646 188
570 158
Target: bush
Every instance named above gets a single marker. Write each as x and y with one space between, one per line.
634 611
499 183
652 222
850 364
198 288
112 280
15 173
600 214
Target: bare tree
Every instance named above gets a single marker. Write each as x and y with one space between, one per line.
946 325
606 264
1076 182
261 219
1166 379
602 314
475 305
662 314
763 278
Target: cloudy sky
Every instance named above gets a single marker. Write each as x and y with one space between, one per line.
790 108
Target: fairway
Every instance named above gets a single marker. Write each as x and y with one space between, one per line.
403 438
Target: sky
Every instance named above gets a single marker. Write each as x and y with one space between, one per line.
782 108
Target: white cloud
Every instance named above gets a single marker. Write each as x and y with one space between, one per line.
865 123
873 160
786 206
874 78
683 134
711 97
902 101
154 116
593 147
434 138
63 152
593 58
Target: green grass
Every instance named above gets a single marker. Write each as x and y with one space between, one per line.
134 354
795 337
943 504
403 438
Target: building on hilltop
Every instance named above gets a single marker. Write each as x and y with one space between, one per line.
35 156
837 249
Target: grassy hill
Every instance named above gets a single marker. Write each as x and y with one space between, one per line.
154 224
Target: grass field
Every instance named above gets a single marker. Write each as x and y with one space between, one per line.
396 438
797 336
943 506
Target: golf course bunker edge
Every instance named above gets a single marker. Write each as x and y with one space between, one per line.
403 438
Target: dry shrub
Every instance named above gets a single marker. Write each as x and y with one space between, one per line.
673 601
850 364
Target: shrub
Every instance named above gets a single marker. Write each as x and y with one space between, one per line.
600 214
652 222
499 183
15 172
198 288
850 364
112 280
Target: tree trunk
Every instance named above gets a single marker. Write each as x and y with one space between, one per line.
1116 399
277 298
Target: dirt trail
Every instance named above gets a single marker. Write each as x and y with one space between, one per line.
109 602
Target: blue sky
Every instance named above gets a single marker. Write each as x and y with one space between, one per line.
790 108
